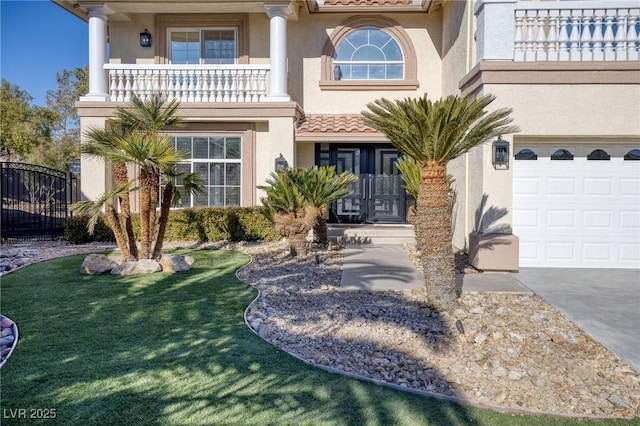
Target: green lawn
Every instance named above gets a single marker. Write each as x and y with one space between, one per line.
173 349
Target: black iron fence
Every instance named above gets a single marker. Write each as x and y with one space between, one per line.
35 201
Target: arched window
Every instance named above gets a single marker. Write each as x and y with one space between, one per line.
369 53
599 154
562 154
526 154
634 154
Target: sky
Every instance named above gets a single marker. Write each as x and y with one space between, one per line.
37 40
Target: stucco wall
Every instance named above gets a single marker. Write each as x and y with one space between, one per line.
307 38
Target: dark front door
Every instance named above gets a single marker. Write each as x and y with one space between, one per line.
378 195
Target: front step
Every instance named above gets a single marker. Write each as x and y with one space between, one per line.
371 234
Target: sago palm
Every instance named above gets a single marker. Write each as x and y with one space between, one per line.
434 133
292 214
322 186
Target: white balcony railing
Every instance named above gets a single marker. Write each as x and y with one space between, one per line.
596 30
189 83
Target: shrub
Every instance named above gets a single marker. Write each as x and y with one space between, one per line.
76 231
194 224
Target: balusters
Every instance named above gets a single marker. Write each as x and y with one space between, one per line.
131 86
204 86
552 38
262 85
563 38
241 94
586 53
621 35
541 39
574 38
632 36
608 36
598 54
529 54
219 85
226 86
517 39
171 87
233 86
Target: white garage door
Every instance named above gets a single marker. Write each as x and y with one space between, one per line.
572 207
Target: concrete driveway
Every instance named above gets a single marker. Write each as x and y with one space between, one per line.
605 303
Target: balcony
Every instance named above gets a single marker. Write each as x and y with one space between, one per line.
189 83
581 31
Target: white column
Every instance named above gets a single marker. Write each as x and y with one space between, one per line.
495 29
98 88
278 52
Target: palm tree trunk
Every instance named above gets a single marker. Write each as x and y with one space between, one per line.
298 244
167 195
145 181
114 222
320 231
434 236
121 177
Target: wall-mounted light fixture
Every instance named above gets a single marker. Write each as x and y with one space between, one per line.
281 163
145 38
500 153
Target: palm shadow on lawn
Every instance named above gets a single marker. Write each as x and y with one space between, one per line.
174 349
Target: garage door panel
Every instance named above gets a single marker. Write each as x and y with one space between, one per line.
597 251
630 187
598 187
561 186
597 219
577 213
630 221
527 218
561 219
630 252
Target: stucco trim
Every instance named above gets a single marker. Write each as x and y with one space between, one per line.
207 111
410 81
165 21
508 72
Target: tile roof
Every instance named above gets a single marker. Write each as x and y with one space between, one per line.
333 123
367 2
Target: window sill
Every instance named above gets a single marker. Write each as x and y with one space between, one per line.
369 84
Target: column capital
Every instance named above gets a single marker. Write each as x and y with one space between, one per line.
283 9
98 10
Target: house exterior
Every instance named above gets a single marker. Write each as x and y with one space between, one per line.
265 81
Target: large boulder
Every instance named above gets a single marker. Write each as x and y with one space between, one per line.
95 264
175 263
144 266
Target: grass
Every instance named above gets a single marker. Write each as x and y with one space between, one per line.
172 349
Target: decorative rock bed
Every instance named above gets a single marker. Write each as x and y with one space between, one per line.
8 338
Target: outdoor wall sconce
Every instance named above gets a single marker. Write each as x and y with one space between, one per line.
500 153
145 38
281 163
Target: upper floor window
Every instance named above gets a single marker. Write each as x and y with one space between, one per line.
202 46
368 54
202 38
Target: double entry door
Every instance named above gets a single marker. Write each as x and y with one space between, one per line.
378 194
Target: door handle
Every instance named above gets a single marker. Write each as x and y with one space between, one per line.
370 186
364 188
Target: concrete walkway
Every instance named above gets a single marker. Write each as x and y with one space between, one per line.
605 303
380 267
